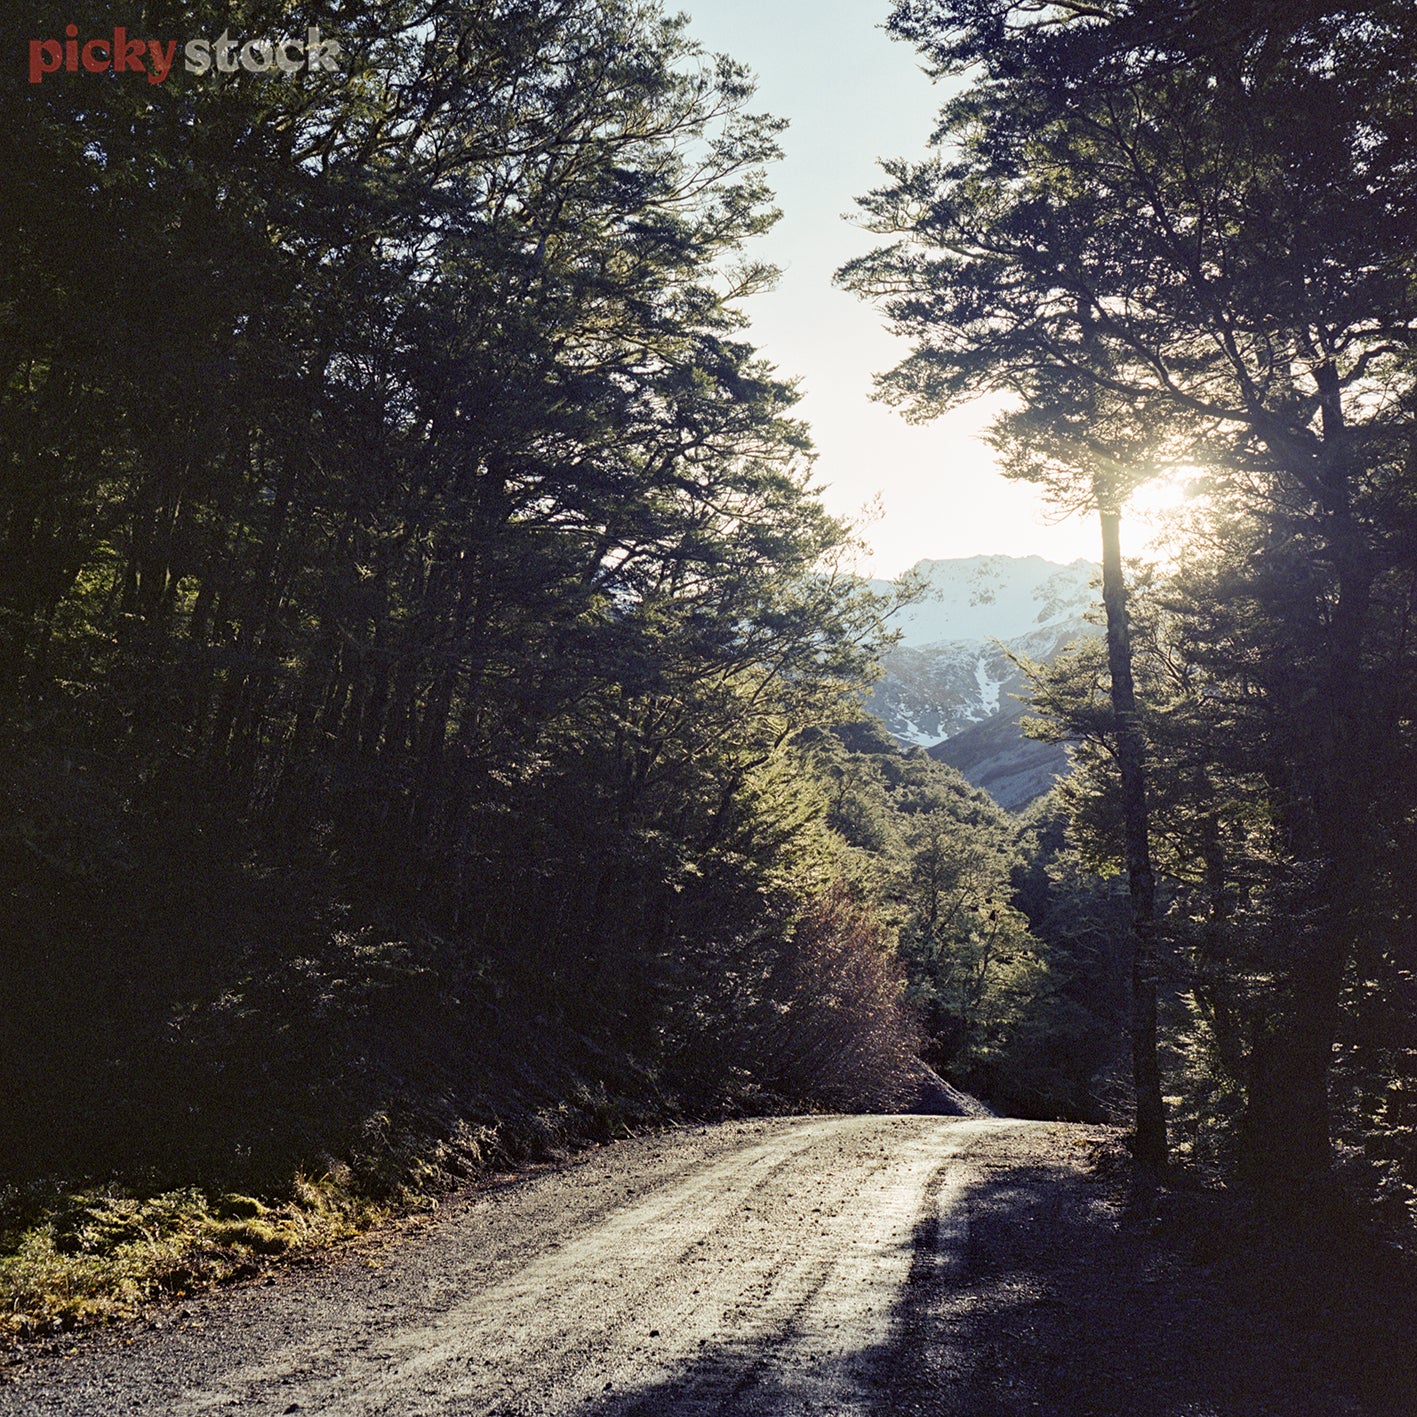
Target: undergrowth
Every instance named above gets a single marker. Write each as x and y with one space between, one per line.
71 1258
79 1256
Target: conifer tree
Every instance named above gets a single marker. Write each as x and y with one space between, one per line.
1200 223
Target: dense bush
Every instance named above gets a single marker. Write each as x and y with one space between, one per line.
408 601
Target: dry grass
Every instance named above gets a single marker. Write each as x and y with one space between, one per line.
95 1256
76 1257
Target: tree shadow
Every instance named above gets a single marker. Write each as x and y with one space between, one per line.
1067 1302
1060 1302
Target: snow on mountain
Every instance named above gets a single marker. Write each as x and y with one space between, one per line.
993 598
952 672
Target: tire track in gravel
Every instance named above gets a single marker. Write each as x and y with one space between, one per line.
747 1269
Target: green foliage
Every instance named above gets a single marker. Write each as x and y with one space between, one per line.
1005 1011
1181 238
1221 763
411 587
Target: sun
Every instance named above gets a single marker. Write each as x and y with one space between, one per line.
1161 511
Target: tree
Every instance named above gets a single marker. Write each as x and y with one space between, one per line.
999 1010
1201 223
421 547
1083 446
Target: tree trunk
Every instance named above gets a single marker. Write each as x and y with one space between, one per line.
1141 882
1328 825
1286 1134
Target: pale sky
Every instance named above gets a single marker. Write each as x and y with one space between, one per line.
853 96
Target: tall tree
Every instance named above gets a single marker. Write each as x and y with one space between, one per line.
1206 220
419 528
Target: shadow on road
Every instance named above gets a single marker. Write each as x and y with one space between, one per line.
1061 1304
1068 1305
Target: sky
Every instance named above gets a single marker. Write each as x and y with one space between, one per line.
854 96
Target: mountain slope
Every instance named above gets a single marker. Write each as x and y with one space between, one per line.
996 756
951 685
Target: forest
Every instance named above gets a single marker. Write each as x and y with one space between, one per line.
1182 242
430 683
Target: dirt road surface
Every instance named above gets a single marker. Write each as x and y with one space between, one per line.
838 1265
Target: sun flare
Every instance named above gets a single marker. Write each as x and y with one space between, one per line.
1160 513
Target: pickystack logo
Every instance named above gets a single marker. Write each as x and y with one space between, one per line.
119 54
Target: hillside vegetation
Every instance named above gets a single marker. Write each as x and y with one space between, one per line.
411 595
430 686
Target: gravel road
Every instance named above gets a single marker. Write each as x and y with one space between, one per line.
746 1268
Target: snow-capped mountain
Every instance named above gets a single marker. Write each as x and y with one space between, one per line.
993 598
952 672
